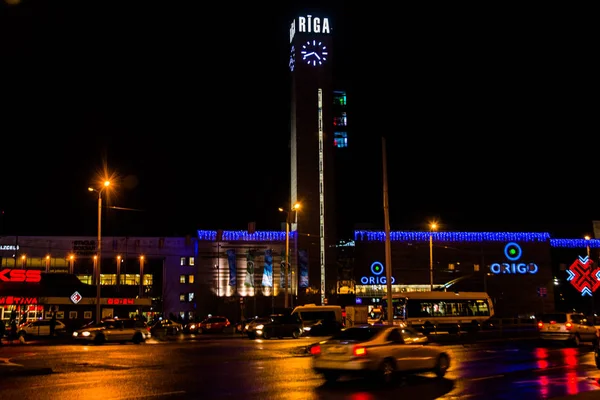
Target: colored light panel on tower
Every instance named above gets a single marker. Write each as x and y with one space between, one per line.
584 276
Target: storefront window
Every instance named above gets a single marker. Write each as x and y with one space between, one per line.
108 279
148 280
87 279
130 279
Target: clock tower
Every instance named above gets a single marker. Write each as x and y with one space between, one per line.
312 154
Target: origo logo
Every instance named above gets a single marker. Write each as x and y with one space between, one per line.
513 253
20 275
377 278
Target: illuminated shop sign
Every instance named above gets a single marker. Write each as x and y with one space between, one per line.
9 300
20 275
76 297
376 277
9 247
513 253
120 302
583 276
310 24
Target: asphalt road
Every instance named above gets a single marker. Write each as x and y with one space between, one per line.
216 368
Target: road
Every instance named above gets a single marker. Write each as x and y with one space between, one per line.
219 368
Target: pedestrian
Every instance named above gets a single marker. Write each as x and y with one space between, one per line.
2 331
53 324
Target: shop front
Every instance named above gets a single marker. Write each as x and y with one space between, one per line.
73 302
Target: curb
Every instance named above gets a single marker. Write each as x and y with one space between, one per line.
16 372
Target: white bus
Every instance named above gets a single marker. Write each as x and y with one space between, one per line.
442 311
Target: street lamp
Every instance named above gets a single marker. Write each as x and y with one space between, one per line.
587 238
432 227
296 207
105 185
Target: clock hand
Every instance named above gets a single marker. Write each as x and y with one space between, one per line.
311 53
317 56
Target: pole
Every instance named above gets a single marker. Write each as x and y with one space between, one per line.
388 247
431 261
99 261
287 258
141 276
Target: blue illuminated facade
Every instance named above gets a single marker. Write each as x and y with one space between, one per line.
423 236
245 236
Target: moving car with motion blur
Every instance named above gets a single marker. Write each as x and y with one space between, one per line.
377 350
278 326
114 330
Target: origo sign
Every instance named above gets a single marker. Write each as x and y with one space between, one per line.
20 275
513 253
376 278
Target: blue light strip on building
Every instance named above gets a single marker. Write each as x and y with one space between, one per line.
575 243
258 236
413 236
423 236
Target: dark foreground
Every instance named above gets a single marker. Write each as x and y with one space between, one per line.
243 369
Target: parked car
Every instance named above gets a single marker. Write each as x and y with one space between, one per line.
278 326
377 349
166 327
114 330
567 327
213 325
41 328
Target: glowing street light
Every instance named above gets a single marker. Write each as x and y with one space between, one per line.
295 208
105 186
432 228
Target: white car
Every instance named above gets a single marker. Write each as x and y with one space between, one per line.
381 350
114 330
567 327
41 328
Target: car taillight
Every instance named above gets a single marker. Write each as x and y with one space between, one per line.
568 325
315 350
540 325
148 329
359 351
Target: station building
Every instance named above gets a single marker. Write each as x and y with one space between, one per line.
525 273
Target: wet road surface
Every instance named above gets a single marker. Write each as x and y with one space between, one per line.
244 369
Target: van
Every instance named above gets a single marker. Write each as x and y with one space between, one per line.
319 320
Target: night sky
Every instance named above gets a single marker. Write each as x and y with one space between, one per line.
488 116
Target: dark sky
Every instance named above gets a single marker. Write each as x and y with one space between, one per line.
489 116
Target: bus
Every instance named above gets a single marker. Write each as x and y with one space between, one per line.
450 312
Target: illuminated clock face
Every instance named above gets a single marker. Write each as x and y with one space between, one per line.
314 53
292 59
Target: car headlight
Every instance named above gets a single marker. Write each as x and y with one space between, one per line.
75 334
192 326
86 333
259 327
246 327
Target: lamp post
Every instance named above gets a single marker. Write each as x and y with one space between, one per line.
105 185
296 207
432 227
587 238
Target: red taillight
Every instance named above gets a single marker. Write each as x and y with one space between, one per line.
148 328
315 350
359 351
540 325
568 325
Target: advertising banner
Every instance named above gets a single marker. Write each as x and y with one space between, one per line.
249 281
303 268
267 278
232 267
